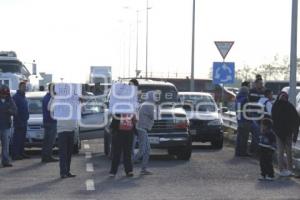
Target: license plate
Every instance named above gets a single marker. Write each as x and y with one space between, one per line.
36 135
154 140
193 132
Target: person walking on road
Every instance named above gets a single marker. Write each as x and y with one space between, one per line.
286 126
244 124
7 109
267 146
20 123
50 126
144 125
123 127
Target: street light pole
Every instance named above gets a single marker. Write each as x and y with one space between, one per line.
147 8
193 50
293 53
137 43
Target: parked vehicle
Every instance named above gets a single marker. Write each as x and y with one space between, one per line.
170 130
205 119
91 125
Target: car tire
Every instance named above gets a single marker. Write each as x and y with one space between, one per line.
217 143
185 153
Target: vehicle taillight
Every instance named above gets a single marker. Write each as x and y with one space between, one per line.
182 124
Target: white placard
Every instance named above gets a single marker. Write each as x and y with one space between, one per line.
123 99
66 105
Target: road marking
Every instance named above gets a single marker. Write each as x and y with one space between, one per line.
90 186
89 167
88 155
86 146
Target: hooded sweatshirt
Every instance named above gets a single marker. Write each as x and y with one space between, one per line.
146 112
285 119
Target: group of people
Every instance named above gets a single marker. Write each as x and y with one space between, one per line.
16 107
273 124
126 129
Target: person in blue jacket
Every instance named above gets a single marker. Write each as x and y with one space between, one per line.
50 126
20 123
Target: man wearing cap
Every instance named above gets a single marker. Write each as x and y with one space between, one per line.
20 123
7 109
255 94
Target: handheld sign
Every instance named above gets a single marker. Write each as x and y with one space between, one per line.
123 99
66 104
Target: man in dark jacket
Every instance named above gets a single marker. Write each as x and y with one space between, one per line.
20 123
243 123
7 109
286 126
255 94
50 127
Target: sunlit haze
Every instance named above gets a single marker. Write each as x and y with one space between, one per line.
66 37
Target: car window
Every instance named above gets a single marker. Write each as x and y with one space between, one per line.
35 106
202 103
165 93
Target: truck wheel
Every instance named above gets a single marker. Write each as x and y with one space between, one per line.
184 153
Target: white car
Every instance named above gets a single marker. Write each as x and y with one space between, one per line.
89 127
204 117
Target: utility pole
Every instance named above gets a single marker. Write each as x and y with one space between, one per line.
147 8
137 43
293 54
193 50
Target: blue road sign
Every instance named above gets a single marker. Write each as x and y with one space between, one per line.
223 72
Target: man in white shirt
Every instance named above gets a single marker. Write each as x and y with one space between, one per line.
66 131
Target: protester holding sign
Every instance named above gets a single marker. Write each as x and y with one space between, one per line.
122 105
65 106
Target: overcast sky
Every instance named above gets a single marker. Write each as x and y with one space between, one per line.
66 37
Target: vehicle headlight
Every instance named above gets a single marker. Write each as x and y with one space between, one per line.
215 122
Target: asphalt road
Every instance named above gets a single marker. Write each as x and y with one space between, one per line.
210 174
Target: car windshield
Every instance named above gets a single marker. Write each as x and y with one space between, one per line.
13 67
166 93
201 103
35 106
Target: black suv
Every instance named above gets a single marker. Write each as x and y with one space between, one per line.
171 125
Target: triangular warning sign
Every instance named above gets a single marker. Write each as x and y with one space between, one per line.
224 47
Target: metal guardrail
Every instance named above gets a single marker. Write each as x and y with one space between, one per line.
229 121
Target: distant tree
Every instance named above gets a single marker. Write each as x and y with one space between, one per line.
244 73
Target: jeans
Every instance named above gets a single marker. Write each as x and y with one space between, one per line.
266 162
18 141
49 139
5 134
144 148
284 147
121 143
242 138
65 144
